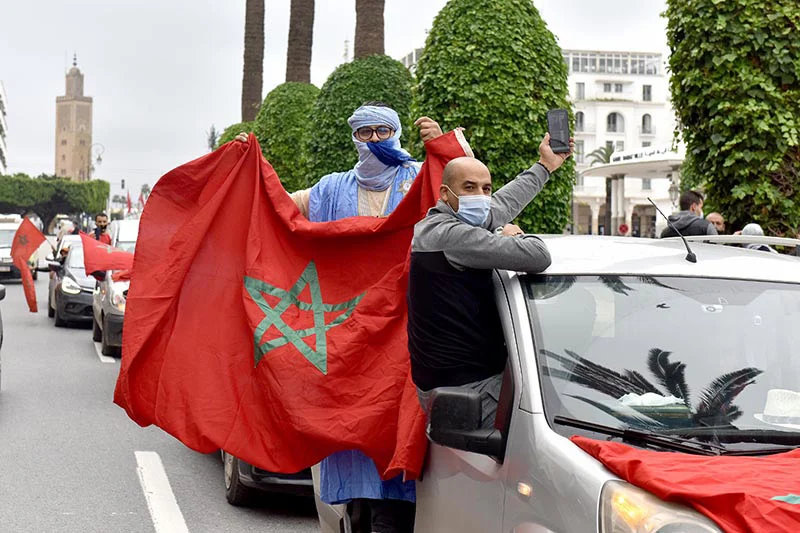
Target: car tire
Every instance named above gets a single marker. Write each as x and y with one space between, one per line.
50 311
235 492
97 333
105 349
60 322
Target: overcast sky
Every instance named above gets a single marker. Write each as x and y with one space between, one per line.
161 72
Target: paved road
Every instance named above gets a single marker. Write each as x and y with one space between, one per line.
68 455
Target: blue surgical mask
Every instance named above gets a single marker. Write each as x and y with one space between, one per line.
473 208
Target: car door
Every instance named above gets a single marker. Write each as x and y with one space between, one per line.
464 491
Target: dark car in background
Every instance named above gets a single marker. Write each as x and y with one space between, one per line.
70 291
244 482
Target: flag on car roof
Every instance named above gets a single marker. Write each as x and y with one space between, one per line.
130 204
754 494
279 340
27 240
100 257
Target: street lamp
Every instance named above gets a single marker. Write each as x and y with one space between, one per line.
98 158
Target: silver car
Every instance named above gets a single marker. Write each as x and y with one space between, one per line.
619 333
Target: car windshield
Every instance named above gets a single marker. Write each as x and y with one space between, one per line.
75 257
128 246
668 353
6 237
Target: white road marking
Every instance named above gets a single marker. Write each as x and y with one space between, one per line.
167 516
98 348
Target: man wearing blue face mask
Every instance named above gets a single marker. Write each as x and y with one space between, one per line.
454 334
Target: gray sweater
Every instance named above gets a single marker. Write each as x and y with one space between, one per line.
467 246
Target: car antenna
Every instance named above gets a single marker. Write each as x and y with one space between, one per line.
689 253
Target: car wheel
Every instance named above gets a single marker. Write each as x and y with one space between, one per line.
97 333
235 492
60 322
50 311
111 351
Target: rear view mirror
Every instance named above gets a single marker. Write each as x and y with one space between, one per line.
456 419
2 292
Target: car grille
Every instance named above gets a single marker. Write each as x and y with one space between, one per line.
74 308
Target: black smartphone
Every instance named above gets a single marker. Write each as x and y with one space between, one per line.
558 126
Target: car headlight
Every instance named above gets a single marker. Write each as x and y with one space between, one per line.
70 286
117 295
625 508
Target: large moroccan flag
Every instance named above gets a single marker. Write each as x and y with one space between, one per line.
98 256
27 240
279 340
740 494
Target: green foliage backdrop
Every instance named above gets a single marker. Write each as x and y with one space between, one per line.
377 77
232 131
283 126
48 196
736 90
493 67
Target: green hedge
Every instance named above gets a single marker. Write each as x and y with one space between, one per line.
736 90
331 147
232 131
48 196
283 127
493 67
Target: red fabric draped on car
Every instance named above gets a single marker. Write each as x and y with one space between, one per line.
279 340
27 240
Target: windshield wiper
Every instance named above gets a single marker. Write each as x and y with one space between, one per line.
646 437
732 435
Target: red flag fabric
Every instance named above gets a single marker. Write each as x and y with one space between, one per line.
121 275
141 200
27 240
279 340
740 494
130 204
98 256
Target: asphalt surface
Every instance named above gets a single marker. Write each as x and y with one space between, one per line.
68 457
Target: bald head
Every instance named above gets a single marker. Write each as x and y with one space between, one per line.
464 176
718 221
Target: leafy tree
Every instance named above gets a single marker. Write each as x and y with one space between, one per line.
232 131
283 127
212 136
253 68
301 39
493 67
736 90
145 191
48 196
349 86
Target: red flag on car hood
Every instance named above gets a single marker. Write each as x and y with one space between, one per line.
753 494
98 256
27 240
279 340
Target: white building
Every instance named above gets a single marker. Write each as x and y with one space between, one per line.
3 130
620 100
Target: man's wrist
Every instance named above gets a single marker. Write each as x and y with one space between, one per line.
544 167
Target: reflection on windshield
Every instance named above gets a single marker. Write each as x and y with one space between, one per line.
6 237
128 246
75 259
665 353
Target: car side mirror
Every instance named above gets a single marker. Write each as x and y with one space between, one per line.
53 266
99 275
49 258
455 422
2 292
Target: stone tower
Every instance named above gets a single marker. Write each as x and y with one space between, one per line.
74 129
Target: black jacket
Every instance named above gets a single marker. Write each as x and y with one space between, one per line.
688 224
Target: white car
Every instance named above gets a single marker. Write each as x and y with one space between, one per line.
8 228
619 333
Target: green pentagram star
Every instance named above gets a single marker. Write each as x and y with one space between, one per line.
272 316
23 240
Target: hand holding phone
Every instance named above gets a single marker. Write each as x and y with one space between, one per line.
558 127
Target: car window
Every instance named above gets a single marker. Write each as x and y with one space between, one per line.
75 257
128 246
665 352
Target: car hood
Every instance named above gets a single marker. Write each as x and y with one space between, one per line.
79 275
5 251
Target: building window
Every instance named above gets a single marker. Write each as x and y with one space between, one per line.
645 144
647 185
580 91
576 64
579 180
63 142
620 146
63 157
615 123
83 142
610 145
647 124
579 157
606 87
63 171
647 93
579 121
617 87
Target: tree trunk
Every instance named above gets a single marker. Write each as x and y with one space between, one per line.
607 221
301 38
369 28
252 76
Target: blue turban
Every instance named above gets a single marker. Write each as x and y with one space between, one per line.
377 161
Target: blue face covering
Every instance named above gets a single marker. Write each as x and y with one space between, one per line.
473 208
378 162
